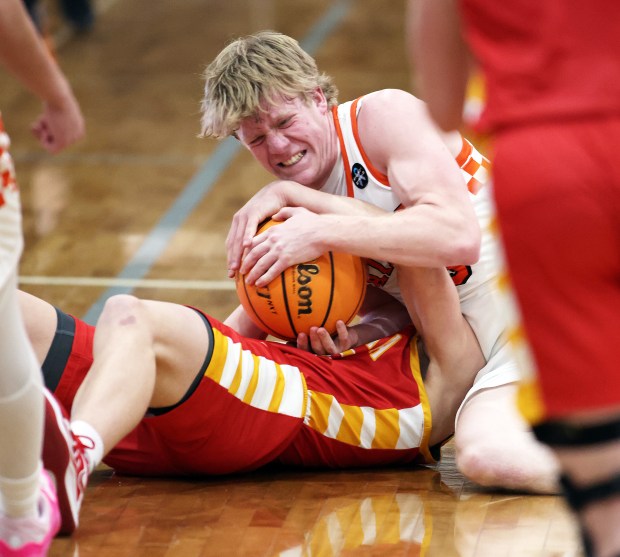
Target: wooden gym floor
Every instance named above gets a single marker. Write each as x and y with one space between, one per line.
142 205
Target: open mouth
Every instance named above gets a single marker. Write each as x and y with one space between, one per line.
293 160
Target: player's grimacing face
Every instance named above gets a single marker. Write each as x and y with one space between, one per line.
288 139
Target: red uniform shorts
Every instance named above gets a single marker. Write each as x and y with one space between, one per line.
557 189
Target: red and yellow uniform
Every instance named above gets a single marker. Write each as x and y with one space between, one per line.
256 402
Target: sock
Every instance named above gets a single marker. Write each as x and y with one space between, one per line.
93 444
20 498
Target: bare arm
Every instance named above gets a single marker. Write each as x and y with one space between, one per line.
437 227
23 53
439 58
241 322
454 354
381 315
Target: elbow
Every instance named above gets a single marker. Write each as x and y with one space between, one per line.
465 247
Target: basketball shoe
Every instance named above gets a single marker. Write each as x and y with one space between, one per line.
31 537
64 456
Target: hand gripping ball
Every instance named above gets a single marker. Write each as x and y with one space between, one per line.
315 293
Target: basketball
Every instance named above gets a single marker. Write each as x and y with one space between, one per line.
316 293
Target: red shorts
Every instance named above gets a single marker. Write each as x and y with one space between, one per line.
258 402
557 189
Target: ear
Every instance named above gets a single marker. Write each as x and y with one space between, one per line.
318 97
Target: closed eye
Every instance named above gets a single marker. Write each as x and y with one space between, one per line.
257 141
285 123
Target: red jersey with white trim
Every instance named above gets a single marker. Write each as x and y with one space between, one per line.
260 402
355 176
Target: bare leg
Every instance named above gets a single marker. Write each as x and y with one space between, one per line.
145 354
496 448
454 354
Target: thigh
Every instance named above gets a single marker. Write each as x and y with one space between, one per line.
182 342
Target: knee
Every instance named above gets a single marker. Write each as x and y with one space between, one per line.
525 467
122 310
121 303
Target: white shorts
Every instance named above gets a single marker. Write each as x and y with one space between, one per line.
11 239
501 369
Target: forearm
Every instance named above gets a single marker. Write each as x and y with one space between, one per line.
241 322
24 54
420 236
440 58
296 195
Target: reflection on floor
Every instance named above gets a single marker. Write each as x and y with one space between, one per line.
387 512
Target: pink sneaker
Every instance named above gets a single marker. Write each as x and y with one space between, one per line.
64 457
31 537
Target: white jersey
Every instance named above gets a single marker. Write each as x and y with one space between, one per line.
11 240
355 176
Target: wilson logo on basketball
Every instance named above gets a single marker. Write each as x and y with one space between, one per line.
305 271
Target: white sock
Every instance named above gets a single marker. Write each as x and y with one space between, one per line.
20 497
92 441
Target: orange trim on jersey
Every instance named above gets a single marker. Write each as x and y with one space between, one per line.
343 150
465 153
379 176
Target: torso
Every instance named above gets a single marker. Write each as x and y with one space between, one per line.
355 176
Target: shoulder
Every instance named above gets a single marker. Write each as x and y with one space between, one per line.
390 101
393 121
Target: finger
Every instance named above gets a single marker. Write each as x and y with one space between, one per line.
234 248
315 342
302 342
268 274
327 342
342 330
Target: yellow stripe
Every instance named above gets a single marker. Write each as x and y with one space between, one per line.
356 528
388 530
320 404
351 425
529 401
503 282
414 362
249 393
278 390
218 359
234 386
387 429
377 351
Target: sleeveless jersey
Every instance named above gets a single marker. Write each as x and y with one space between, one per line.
355 176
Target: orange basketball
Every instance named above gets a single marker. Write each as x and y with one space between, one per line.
316 293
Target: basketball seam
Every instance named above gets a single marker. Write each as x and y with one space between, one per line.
268 329
332 288
286 307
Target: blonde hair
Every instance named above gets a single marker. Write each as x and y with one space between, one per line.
262 67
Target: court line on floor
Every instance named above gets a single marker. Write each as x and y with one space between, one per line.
202 182
112 282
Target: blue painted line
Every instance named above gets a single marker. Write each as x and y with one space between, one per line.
202 182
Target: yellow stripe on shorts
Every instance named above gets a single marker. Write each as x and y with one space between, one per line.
256 380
